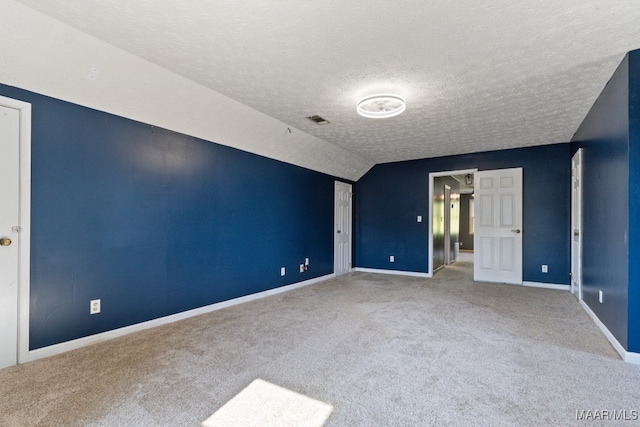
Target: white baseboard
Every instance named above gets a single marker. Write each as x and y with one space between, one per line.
396 272
104 336
547 286
632 357
627 356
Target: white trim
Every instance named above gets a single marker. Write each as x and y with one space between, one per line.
395 272
104 336
627 356
432 175
547 286
24 259
631 357
447 225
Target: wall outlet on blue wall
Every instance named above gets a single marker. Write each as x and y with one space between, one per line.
94 306
282 271
392 258
545 268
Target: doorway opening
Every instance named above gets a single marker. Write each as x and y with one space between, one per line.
450 238
497 223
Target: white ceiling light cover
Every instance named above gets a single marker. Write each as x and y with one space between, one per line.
381 106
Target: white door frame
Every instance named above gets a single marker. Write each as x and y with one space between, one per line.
576 223
432 176
447 224
24 239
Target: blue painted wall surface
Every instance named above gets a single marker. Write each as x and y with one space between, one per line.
154 223
604 136
634 203
391 195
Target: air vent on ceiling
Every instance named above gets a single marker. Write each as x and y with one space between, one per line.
319 120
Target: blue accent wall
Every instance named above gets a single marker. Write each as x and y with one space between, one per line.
604 137
633 333
391 195
153 222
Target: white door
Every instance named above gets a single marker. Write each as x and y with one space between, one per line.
576 224
9 219
342 230
497 240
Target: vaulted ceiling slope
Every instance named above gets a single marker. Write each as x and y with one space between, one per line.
476 75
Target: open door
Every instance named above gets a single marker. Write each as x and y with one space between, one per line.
498 232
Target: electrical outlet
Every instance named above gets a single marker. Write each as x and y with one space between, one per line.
306 261
94 306
419 218
545 268
282 271
392 258
301 268
600 297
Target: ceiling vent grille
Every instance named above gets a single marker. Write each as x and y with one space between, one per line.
319 120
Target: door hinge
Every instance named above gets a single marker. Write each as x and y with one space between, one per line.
16 229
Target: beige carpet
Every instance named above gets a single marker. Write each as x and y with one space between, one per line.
382 350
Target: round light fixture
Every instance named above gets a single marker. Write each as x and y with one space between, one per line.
381 106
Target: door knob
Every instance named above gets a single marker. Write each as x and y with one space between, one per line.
5 241
339 232
576 233
517 231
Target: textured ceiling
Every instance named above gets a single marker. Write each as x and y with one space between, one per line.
477 75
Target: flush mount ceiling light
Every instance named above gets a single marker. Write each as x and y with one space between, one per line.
381 106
